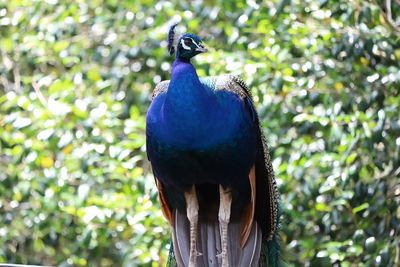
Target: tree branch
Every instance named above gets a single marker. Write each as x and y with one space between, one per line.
388 15
39 94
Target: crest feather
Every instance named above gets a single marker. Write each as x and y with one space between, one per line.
171 39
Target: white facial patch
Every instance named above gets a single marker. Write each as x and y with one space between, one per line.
188 47
185 46
195 43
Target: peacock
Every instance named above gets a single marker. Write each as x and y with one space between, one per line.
212 166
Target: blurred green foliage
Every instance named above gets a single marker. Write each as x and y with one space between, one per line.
75 79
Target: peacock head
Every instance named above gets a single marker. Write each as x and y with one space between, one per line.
188 45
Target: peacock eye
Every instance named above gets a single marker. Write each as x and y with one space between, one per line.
187 42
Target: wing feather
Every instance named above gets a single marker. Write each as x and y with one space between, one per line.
165 208
266 188
161 88
248 216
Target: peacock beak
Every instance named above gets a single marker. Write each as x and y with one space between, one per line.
201 48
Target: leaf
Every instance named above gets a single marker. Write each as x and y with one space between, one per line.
94 75
360 208
60 45
339 86
46 162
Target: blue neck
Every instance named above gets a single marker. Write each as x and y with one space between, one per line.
185 91
188 106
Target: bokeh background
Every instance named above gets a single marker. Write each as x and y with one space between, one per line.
75 83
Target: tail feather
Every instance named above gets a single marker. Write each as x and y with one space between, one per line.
209 244
271 249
